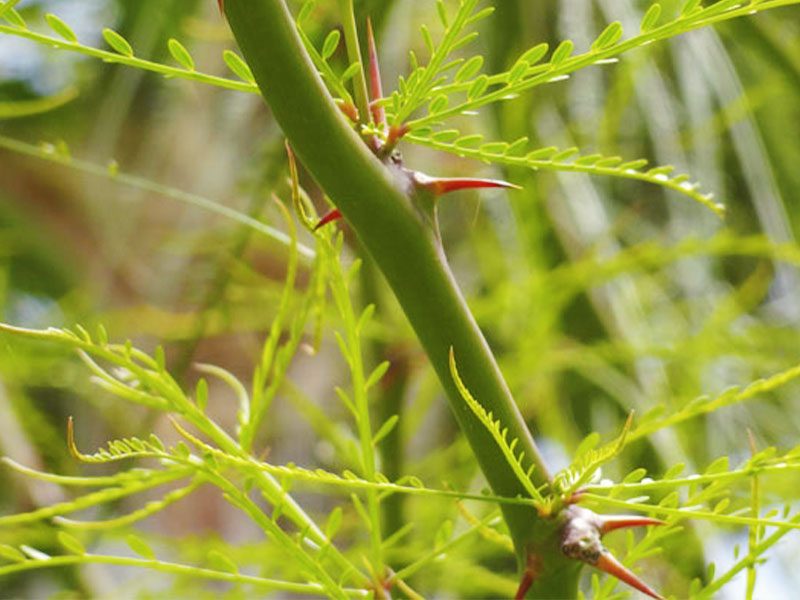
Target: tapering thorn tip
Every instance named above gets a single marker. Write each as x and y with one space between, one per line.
608 564
614 522
445 185
376 88
328 218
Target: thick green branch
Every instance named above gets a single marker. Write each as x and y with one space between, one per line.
402 244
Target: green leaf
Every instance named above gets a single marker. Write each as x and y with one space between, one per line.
220 561
201 394
517 147
117 42
721 505
718 466
609 37
305 11
469 141
237 65
689 7
663 171
635 476
517 72
23 108
588 160
438 104
377 374
351 72
11 553
156 442
480 15
180 54
542 153
60 28
464 41
71 543
442 11
634 165
564 154
331 44
469 69
535 54
478 87
443 534
334 523
426 35
650 18
160 358
385 429
14 18
494 148
674 471
562 52
446 135
589 443
139 546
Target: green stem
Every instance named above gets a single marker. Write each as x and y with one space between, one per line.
403 246
175 569
360 401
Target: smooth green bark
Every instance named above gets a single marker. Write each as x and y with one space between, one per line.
402 243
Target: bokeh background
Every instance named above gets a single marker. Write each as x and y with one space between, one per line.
599 296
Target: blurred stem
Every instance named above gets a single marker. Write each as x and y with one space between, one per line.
223 272
389 402
409 254
354 55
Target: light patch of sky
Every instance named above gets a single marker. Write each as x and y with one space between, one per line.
44 69
775 577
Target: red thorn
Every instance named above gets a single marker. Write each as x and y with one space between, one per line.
334 215
376 89
221 7
444 185
608 564
524 585
349 109
613 522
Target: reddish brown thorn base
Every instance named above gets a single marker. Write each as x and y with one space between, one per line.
221 6
334 215
395 133
444 185
349 110
580 540
376 89
608 564
614 522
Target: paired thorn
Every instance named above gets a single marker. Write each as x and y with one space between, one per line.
438 186
435 186
581 540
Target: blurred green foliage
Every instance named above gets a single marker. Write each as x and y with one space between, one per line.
600 296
